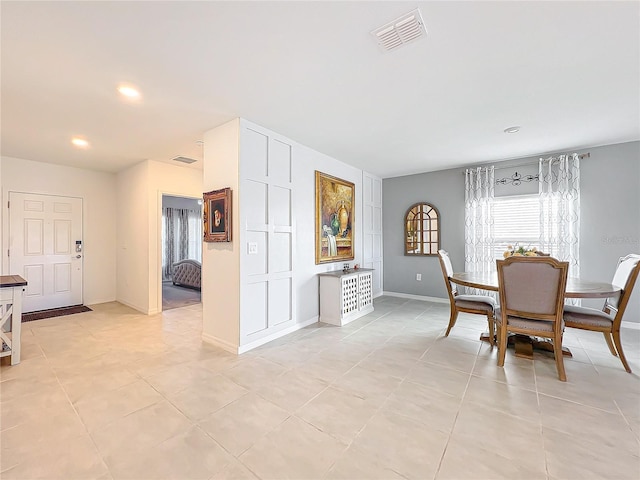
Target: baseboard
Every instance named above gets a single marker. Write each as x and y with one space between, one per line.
99 301
135 307
631 325
237 349
423 298
379 294
229 347
276 335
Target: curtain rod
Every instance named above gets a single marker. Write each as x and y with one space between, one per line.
581 156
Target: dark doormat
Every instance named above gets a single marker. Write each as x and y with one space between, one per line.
54 312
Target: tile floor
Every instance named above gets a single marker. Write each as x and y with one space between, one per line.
113 394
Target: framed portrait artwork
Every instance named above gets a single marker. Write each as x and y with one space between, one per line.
217 215
335 206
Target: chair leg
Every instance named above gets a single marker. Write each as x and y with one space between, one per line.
557 351
491 322
452 320
502 345
607 337
623 359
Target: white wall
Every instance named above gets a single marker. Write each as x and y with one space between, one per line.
221 261
251 303
133 240
140 190
306 162
98 191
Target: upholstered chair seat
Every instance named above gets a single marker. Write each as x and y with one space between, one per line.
609 319
525 323
482 302
590 317
476 304
532 291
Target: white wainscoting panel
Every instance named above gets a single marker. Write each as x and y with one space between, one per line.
254 319
266 234
372 229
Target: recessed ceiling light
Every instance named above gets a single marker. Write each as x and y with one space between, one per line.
515 129
128 91
80 142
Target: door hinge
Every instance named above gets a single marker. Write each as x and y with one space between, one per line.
8 203
8 252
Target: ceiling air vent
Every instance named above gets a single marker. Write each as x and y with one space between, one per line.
184 159
402 30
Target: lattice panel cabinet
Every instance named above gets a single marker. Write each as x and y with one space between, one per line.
365 291
349 292
345 296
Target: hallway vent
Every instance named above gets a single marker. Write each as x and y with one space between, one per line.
184 159
401 31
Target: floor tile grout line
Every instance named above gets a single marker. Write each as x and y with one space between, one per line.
626 420
538 373
75 410
455 419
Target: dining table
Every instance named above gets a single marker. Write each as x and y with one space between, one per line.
524 345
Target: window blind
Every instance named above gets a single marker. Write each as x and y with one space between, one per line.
516 220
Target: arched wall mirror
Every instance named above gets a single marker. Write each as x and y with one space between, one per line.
422 230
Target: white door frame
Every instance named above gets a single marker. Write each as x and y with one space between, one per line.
161 193
5 265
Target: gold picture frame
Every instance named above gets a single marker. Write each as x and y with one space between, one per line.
217 215
335 220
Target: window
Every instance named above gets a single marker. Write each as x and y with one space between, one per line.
422 227
516 220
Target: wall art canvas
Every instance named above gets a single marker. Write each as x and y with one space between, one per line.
217 215
335 206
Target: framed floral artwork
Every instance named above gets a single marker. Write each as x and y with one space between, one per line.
335 222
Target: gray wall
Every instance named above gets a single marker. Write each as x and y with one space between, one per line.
445 191
610 223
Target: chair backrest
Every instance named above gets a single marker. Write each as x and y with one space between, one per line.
532 287
625 277
447 271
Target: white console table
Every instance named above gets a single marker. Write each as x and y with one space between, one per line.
345 296
11 288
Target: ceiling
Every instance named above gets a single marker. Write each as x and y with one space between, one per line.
566 72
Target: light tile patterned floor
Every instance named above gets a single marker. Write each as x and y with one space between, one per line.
113 394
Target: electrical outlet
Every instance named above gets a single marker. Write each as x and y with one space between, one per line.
252 248
419 277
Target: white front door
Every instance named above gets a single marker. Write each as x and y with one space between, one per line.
45 247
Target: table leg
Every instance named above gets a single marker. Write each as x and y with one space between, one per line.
16 325
525 345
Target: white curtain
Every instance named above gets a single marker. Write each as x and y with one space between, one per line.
479 255
182 237
559 189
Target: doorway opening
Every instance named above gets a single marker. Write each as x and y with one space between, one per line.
181 251
46 248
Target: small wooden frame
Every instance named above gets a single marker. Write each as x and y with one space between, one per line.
217 215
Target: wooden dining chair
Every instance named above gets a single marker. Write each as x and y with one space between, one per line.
532 291
476 304
608 319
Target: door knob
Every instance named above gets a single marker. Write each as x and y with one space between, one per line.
78 256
